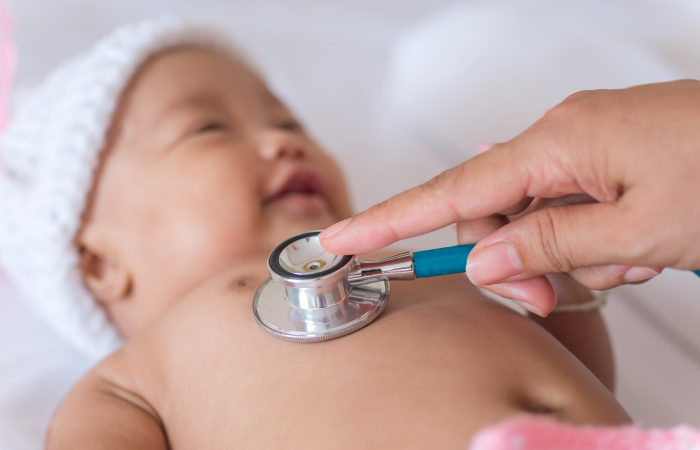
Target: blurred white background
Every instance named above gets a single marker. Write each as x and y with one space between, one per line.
399 90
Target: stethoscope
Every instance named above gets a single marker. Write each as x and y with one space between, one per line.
315 296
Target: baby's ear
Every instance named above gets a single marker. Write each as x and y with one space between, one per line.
104 272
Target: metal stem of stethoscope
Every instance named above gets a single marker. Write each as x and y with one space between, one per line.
315 296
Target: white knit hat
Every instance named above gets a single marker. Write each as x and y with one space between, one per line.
49 153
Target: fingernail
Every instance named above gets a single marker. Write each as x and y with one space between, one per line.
334 229
532 308
636 274
493 264
484 147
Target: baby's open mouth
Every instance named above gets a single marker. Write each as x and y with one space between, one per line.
303 189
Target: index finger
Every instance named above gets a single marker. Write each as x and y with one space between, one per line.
481 186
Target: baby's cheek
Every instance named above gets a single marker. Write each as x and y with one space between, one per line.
215 237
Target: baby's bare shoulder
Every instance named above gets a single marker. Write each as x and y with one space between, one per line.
107 402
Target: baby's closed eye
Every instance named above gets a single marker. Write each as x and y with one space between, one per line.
210 127
290 125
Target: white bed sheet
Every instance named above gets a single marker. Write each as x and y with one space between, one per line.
36 369
334 61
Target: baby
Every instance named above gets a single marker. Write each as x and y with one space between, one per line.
202 172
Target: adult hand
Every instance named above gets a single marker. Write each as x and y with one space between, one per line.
635 152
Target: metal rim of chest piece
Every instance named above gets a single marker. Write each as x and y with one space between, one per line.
308 297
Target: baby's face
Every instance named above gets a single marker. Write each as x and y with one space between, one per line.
204 168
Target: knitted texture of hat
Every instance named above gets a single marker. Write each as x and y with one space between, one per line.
49 155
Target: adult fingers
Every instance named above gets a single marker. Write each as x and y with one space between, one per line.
558 239
603 277
472 231
599 277
518 208
540 162
535 294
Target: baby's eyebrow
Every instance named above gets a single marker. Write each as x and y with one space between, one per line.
194 101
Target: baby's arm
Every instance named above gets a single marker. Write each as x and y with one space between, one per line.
583 333
98 414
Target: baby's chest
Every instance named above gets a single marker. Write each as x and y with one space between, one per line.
232 383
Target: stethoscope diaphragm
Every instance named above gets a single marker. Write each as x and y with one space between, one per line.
309 298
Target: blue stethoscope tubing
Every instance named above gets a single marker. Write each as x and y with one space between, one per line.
446 261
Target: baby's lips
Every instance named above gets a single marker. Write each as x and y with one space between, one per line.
295 179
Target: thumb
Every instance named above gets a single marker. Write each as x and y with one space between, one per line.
555 239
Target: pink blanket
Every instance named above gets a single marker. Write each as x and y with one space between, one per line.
527 433
8 61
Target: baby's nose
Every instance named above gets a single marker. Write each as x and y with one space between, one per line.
280 144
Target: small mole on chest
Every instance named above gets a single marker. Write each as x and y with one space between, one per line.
241 284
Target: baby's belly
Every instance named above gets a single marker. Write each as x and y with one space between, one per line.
433 369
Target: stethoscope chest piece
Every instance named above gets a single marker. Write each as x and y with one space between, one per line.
315 296
308 297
